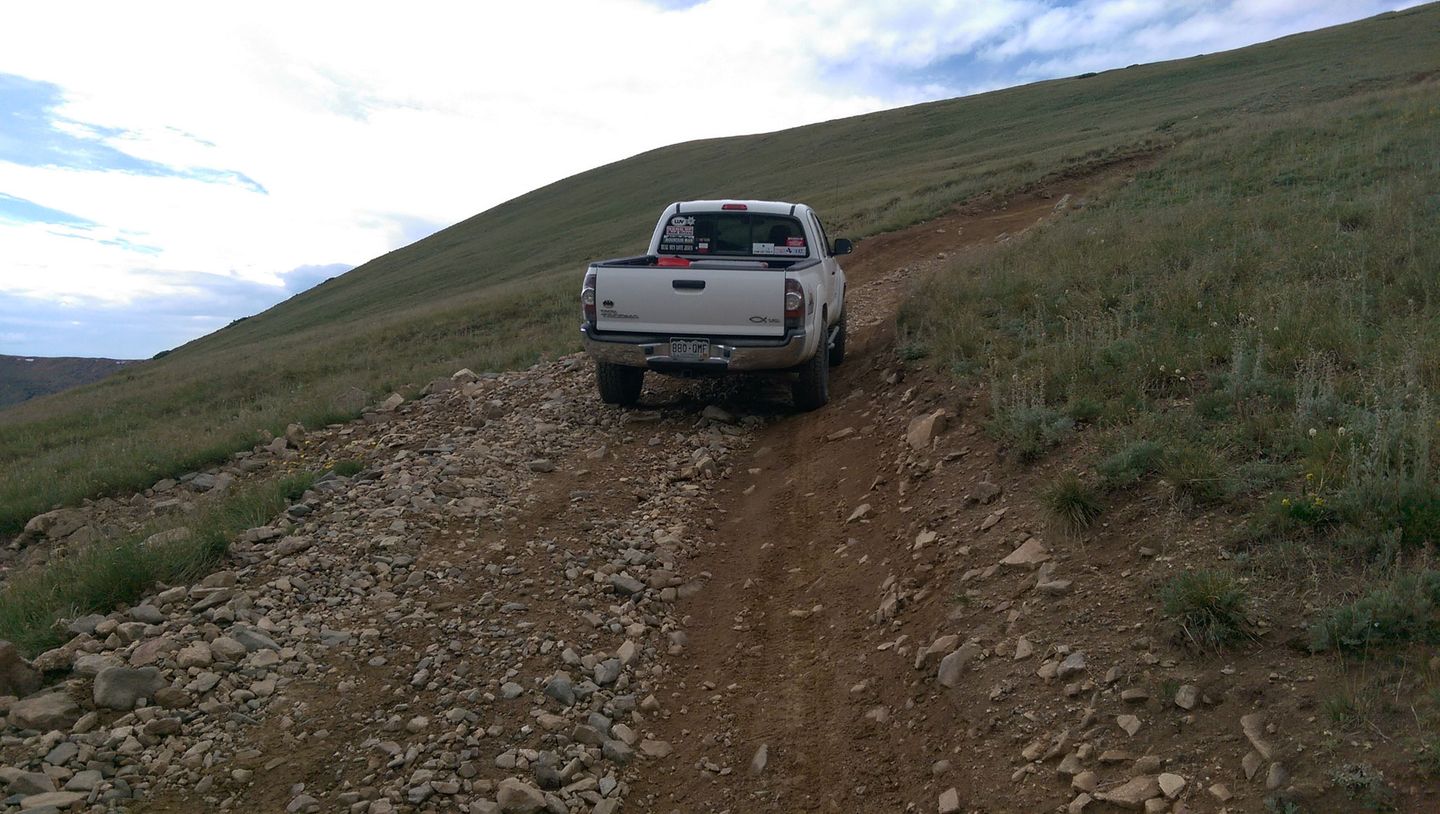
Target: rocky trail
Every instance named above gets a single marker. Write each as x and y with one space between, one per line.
526 601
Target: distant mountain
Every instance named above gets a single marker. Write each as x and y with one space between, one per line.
25 377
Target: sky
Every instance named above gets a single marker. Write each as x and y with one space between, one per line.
166 168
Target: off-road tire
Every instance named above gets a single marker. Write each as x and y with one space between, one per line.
837 350
811 390
619 384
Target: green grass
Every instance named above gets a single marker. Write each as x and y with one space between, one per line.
497 291
1207 606
111 572
1403 611
1072 501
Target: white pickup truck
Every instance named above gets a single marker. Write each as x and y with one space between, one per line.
725 286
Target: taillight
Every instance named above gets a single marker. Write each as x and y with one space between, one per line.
734 207
794 304
587 297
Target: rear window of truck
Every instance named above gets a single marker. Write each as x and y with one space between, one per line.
734 234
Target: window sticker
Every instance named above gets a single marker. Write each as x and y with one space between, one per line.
794 241
771 248
679 235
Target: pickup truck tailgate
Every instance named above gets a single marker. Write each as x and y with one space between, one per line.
689 301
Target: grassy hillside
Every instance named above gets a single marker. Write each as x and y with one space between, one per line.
25 377
497 290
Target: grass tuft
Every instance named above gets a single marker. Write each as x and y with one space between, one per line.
1208 606
1073 501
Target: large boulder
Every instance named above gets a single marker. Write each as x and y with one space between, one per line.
45 712
17 677
55 525
122 687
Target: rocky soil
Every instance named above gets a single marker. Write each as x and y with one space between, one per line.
526 601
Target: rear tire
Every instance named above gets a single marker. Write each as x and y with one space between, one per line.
837 350
619 384
812 389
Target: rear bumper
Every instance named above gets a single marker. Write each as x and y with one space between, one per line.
726 353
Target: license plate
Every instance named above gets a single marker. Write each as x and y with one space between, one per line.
689 350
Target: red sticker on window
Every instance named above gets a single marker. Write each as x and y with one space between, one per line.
794 241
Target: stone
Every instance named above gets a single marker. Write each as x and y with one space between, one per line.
515 796
1276 777
1133 793
626 584
1129 723
196 654
717 414
923 429
1077 806
1187 696
951 666
1086 781
987 492
861 512
45 712
1253 725
1023 649
29 783
1171 785
1221 792
655 749
393 401
541 465
56 800
760 760
1251 764
17 677
64 752
1030 554
122 687
950 801
1073 664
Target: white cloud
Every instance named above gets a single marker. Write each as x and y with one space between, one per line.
360 119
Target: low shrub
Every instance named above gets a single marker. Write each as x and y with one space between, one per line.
1208 606
1404 611
1131 464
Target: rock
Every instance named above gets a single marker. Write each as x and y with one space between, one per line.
84 781
560 688
626 584
64 752
389 404
29 783
759 761
1129 723
1133 793
1221 792
1077 806
937 649
950 667
1276 777
121 687
515 796
1086 781
17 677
196 654
1251 764
923 429
861 512
56 800
45 712
1023 649
655 749
987 492
717 414
1187 696
541 465
1072 665
1171 785
1253 725
1030 554
949 801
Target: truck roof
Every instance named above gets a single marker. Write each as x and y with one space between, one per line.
763 207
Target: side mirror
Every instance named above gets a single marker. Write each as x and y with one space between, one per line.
842 246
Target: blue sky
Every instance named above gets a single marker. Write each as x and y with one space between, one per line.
162 174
